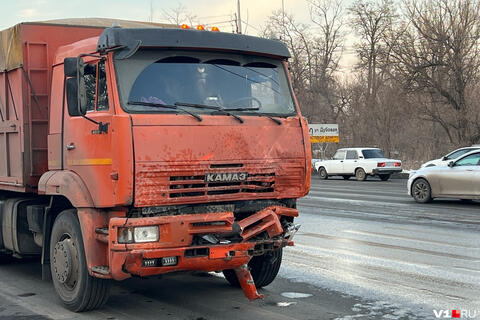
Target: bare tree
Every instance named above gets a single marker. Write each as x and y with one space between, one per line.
327 16
327 50
437 56
179 15
371 21
298 40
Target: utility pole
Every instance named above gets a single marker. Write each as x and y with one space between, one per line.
151 11
239 19
283 12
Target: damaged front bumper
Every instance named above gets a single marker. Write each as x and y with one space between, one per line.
173 251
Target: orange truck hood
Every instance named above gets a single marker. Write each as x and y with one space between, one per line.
173 154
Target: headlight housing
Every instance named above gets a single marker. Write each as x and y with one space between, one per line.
138 234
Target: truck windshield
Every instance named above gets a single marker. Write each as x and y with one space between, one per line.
372 153
243 84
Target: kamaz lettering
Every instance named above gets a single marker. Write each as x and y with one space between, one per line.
226 177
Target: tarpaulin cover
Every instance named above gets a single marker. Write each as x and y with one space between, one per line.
10 48
11 42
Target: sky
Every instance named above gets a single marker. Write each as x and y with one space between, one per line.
254 13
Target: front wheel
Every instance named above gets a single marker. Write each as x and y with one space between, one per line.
263 268
77 290
322 173
421 191
384 177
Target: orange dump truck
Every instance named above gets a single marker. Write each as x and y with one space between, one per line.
144 151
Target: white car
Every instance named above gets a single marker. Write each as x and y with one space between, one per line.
452 156
358 162
459 179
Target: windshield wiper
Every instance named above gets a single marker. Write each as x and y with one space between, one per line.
242 109
269 117
218 110
197 105
256 113
166 106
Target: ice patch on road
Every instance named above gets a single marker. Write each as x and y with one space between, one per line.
380 309
296 295
370 308
285 304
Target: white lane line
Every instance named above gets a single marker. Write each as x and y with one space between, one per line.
402 237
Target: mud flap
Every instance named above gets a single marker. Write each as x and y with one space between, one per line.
246 282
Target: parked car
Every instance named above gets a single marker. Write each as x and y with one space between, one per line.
358 162
452 156
459 179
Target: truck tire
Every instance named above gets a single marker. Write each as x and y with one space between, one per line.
384 177
77 290
322 173
360 174
264 269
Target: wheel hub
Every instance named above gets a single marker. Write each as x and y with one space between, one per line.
62 260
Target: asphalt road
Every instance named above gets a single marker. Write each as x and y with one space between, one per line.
365 251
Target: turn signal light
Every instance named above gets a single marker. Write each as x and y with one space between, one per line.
381 164
215 29
398 164
184 26
200 27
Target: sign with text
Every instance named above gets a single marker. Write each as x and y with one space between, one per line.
323 133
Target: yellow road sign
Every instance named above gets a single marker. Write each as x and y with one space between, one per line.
324 139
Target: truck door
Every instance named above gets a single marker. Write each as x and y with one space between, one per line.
350 163
88 151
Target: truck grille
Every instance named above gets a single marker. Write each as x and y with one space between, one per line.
185 183
194 186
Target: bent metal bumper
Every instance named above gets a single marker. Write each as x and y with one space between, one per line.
175 237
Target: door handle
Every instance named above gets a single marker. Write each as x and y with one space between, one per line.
71 146
341 160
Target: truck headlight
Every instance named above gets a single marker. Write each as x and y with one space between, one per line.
138 234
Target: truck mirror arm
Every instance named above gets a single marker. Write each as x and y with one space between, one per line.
102 127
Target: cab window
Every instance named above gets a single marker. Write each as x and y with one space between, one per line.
96 87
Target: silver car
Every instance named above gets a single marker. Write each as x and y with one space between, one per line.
460 179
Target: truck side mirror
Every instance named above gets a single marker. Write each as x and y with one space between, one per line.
70 67
76 95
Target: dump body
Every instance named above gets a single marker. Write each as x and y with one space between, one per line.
26 59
